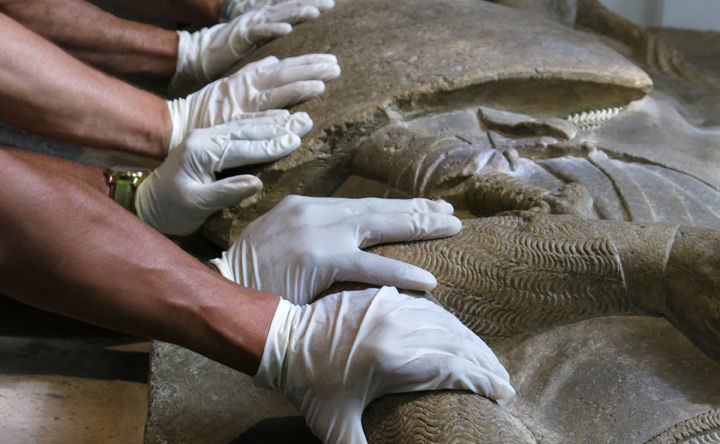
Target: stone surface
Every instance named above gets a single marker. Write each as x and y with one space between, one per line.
637 381
404 59
196 400
499 110
517 281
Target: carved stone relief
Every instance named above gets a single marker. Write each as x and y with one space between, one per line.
589 254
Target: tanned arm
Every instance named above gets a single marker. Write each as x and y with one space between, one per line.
122 47
188 12
66 248
46 91
57 166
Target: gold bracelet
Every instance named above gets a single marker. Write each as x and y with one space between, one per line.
123 182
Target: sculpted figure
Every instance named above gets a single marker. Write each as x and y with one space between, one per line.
588 258
531 284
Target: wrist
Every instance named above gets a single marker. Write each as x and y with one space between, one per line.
175 128
239 323
188 76
269 372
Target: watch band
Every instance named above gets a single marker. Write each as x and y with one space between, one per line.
123 182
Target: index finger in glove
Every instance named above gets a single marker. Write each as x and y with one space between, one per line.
446 372
378 270
400 227
248 152
286 74
257 66
392 206
264 126
290 13
291 94
307 59
320 4
259 33
228 191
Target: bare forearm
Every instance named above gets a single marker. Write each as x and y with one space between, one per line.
122 47
94 177
46 91
191 12
66 248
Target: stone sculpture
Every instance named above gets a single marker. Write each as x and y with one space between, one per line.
588 259
519 279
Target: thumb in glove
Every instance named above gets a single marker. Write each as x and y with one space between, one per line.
182 192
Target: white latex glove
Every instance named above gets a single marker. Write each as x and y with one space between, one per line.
332 358
304 244
182 192
207 54
233 8
266 84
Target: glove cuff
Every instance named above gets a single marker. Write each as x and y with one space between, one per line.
178 118
270 371
187 77
222 266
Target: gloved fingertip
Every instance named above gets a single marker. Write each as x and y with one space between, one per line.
504 392
443 206
333 72
454 225
289 141
252 181
310 12
315 87
300 123
423 280
267 61
439 225
283 28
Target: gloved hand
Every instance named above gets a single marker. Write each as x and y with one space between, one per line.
304 244
332 358
207 54
266 84
182 192
233 8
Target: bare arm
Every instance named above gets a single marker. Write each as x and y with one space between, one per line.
46 91
57 166
190 12
122 47
66 248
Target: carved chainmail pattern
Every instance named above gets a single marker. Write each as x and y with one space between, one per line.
516 274
441 417
497 192
703 428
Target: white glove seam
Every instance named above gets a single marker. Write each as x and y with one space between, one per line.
179 125
272 362
222 267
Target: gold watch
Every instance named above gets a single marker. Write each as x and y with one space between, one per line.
123 182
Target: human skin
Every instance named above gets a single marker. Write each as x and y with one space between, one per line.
66 248
56 166
111 44
191 12
45 90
